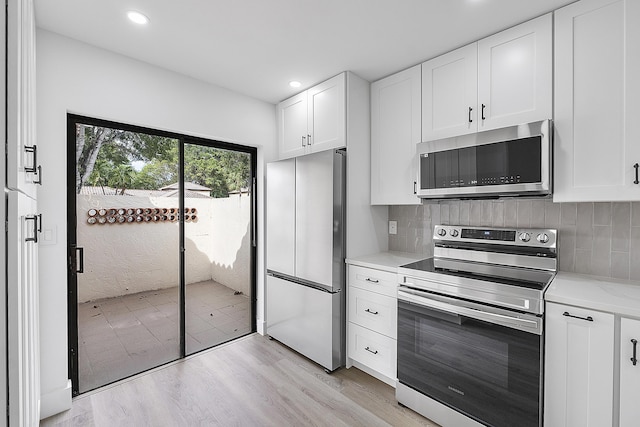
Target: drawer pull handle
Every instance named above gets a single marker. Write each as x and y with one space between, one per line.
636 166
372 280
372 312
634 360
36 228
371 351
588 318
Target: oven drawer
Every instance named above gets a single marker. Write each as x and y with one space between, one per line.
373 311
382 282
372 349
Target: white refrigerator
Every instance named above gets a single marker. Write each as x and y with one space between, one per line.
305 287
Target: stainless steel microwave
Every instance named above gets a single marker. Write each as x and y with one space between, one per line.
518 166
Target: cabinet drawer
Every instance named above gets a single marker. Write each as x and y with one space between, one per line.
378 281
374 350
373 311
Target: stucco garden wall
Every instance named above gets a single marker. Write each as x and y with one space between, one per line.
133 257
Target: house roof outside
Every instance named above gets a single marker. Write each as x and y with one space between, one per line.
108 191
187 186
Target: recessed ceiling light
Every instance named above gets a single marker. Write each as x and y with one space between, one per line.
137 17
295 83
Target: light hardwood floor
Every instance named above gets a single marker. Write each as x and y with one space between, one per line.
252 381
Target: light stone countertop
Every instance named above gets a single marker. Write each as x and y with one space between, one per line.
597 293
385 261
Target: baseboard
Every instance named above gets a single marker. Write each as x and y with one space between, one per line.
261 327
372 372
56 401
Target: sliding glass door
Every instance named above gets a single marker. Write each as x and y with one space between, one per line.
161 248
218 246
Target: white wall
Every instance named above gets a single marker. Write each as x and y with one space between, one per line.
127 258
77 78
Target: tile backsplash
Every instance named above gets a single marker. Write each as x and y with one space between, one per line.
602 239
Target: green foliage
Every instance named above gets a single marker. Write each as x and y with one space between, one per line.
220 170
156 174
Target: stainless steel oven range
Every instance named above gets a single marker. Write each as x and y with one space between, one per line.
470 323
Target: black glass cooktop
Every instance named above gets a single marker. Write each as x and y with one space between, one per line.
515 276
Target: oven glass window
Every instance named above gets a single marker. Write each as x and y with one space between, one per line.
489 372
445 345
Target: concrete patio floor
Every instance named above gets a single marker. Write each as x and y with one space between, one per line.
119 337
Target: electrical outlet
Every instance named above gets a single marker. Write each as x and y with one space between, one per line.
393 227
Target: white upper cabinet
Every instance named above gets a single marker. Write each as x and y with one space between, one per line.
292 126
515 75
327 114
395 131
502 80
629 372
449 94
314 120
597 101
23 170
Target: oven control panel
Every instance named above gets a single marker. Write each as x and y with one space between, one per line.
542 238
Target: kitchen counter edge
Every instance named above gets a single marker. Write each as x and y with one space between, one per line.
597 293
385 261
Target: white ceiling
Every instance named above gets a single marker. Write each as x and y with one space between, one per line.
256 47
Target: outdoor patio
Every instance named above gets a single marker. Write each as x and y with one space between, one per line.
121 336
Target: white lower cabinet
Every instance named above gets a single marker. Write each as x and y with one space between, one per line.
578 367
583 356
373 350
629 372
373 311
372 322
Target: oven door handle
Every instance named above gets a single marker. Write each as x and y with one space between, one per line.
499 319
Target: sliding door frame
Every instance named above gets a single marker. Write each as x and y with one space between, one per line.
72 260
